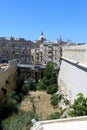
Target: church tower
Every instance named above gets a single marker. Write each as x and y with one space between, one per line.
42 38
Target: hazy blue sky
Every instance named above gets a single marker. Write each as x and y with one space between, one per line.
28 18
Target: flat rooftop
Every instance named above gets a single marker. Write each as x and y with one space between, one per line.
33 67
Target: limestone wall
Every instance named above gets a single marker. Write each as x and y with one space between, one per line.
77 53
8 77
73 71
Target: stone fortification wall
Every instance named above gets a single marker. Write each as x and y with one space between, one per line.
77 53
73 71
8 77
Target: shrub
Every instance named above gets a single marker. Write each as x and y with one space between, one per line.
66 101
18 122
55 115
79 107
42 85
52 88
31 83
25 88
50 78
11 102
54 100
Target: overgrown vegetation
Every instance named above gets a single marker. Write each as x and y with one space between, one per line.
56 115
55 99
23 87
11 101
28 86
79 107
49 81
20 121
11 105
52 89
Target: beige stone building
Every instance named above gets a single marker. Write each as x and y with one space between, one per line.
51 53
27 52
11 48
47 51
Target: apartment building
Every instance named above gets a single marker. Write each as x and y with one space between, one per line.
27 52
51 53
18 48
47 51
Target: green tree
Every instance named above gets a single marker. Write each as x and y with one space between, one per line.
25 88
31 83
11 101
79 107
54 100
50 77
52 88
28 86
51 72
41 85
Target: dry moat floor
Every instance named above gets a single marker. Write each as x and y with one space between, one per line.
39 102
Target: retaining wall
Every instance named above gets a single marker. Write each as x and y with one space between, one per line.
8 77
72 77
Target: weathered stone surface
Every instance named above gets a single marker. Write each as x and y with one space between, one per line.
73 71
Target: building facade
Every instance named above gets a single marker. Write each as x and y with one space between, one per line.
11 48
47 51
27 52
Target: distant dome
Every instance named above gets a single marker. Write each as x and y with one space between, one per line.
42 38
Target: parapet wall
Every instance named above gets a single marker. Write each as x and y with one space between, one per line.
76 53
74 123
73 71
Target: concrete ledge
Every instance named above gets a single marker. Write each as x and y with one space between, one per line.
61 124
80 118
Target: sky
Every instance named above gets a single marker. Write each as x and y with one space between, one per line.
55 18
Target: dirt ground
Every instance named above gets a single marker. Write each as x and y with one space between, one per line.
38 101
